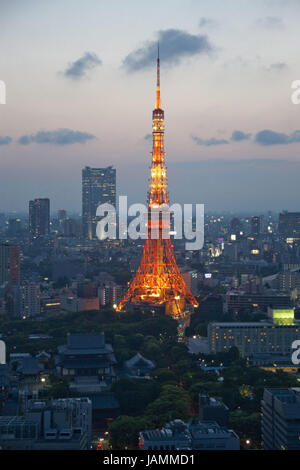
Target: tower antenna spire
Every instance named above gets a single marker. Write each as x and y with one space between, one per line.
158 102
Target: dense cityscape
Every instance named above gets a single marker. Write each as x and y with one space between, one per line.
126 375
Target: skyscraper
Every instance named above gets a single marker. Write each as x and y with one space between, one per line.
9 263
98 187
158 280
257 224
27 302
289 225
39 217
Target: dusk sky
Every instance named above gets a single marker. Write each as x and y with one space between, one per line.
80 82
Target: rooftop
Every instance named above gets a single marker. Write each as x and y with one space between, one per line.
86 341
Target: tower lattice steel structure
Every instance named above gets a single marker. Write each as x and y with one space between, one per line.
158 280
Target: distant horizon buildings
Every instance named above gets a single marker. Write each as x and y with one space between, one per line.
289 225
39 217
9 263
257 225
98 187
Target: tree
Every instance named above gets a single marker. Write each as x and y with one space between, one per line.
134 395
164 376
123 432
173 403
247 426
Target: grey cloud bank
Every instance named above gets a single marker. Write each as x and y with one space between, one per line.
5 140
238 136
268 137
209 142
265 137
79 68
174 44
56 137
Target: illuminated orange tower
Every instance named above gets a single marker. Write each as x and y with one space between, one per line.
158 280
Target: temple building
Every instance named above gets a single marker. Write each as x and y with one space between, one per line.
87 361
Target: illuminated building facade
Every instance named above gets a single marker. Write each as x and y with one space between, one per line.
282 316
252 337
27 299
98 187
39 217
158 280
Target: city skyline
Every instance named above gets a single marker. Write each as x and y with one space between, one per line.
85 104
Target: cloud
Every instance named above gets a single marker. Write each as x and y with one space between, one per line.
174 45
278 66
268 137
79 68
207 22
264 137
5 140
209 142
56 137
270 22
238 136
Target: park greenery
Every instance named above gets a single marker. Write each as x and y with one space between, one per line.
172 391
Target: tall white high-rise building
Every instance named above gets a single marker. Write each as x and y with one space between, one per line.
98 187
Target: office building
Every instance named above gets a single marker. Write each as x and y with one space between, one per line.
110 293
71 228
27 299
177 435
281 419
61 215
14 227
50 305
257 225
288 281
39 217
282 316
9 264
240 299
61 424
98 187
252 337
236 227
289 225
79 304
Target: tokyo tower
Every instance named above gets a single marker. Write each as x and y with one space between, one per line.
158 280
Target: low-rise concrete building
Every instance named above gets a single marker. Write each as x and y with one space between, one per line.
281 419
177 435
62 424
